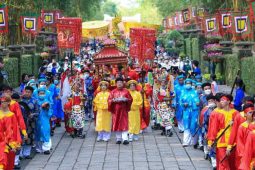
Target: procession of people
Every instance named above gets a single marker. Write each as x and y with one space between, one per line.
167 94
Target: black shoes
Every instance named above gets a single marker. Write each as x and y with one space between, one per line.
17 166
125 142
118 142
181 131
46 152
195 146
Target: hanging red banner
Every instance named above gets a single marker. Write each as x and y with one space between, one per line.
69 33
30 25
225 21
142 44
242 26
4 20
50 17
211 25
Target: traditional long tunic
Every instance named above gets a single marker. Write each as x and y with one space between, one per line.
248 160
219 120
238 120
120 109
43 122
6 136
103 117
134 114
15 108
14 137
241 137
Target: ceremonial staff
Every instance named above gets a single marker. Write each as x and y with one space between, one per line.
237 76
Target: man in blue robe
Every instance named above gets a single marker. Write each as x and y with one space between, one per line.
43 122
178 88
187 102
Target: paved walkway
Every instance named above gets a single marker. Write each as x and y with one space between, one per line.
152 151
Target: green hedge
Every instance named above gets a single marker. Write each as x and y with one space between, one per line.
231 66
188 47
26 64
247 73
37 61
195 49
11 66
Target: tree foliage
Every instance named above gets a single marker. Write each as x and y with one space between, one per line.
110 8
169 7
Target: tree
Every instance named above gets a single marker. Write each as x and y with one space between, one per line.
110 8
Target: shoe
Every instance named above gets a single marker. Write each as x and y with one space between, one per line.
58 125
118 142
206 156
181 131
201 148
170 134
46 152
81 136
17 166
163 132
28 157
184 146
106 140
195 146
125 142
99 139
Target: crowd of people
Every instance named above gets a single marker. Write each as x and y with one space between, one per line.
126 100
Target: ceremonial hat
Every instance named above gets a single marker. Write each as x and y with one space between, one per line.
199 84
188 81
180 77
103 83
42 80
131 82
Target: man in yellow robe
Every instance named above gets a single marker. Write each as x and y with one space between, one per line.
103 118
134 119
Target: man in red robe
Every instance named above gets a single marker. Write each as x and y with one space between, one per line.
238 120
219 120
243 132
119 104
15 108
248 159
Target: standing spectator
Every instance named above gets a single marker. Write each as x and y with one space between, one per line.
214 84
24 81
196 69
240 90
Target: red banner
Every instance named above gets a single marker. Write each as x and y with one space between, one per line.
142 44
30 25
69 33
211 25
50 17
4 20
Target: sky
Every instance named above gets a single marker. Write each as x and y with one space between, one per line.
127 3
